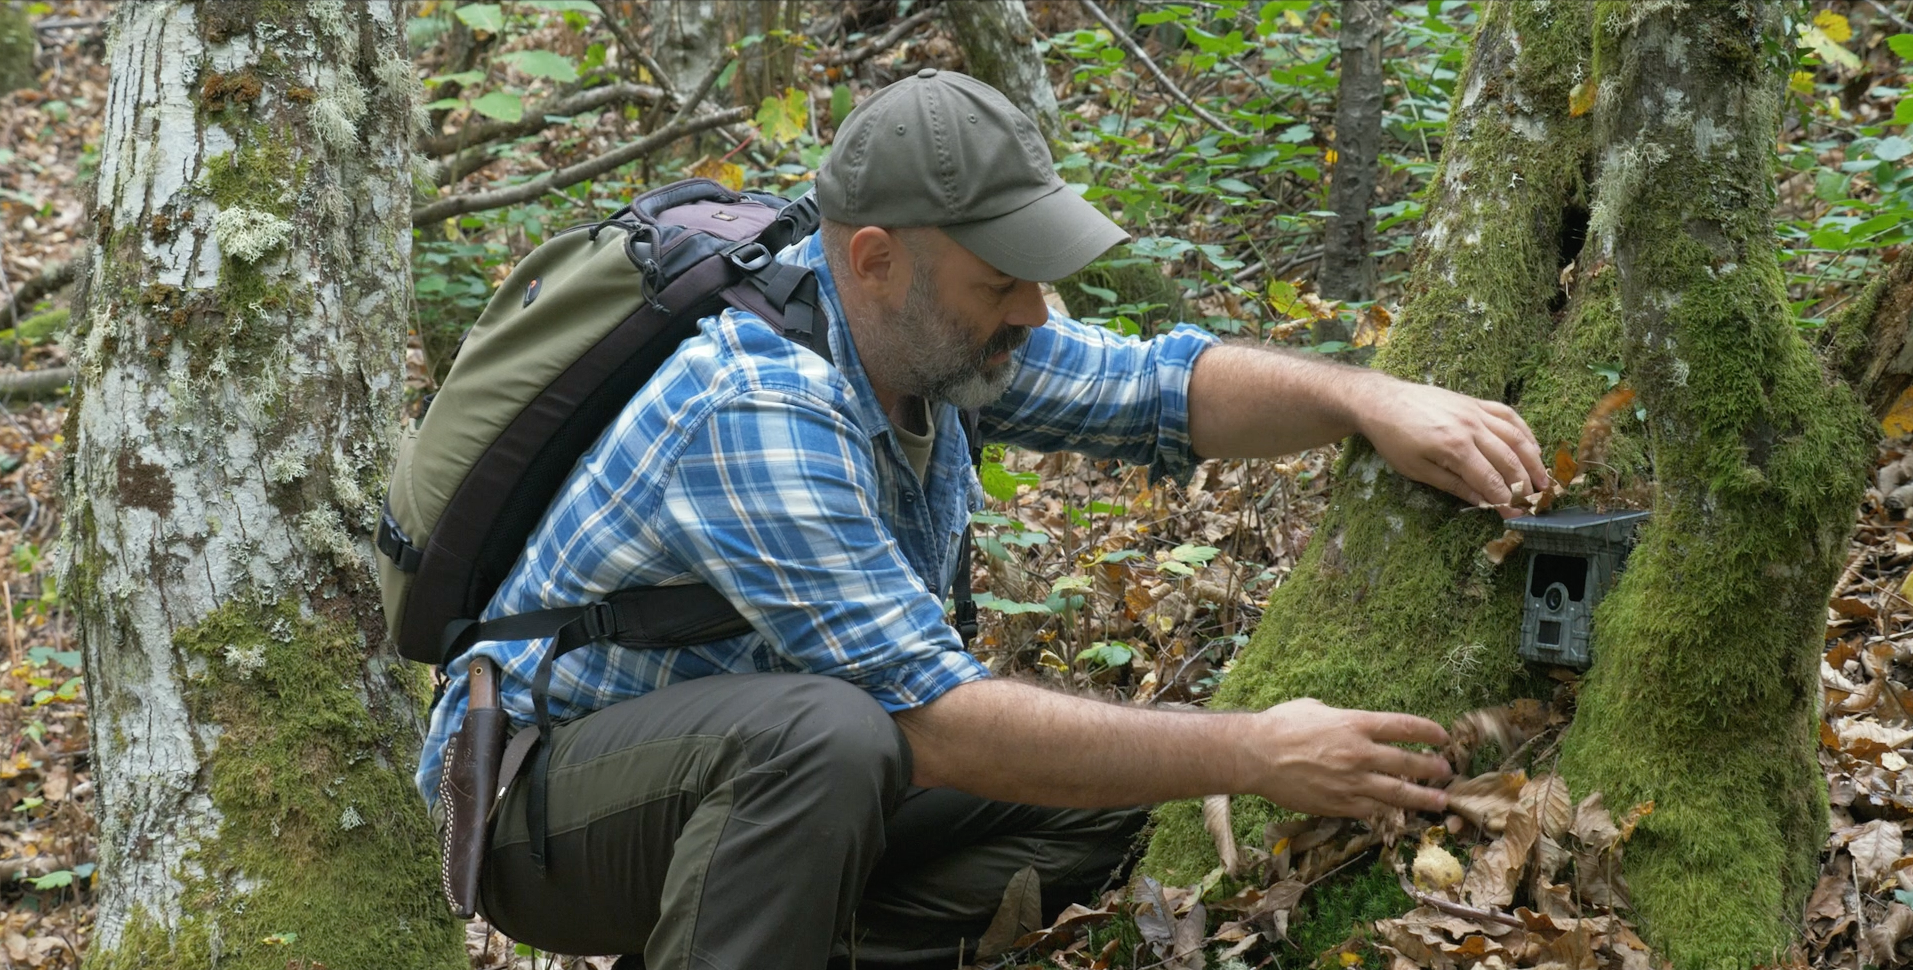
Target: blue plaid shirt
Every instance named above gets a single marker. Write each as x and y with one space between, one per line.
751 464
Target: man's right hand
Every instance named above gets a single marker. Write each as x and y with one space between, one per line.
1325 760
1015 742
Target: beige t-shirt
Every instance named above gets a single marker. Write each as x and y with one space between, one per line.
917 447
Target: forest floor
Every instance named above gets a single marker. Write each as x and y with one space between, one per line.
1094 581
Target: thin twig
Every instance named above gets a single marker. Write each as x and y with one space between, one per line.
52 279
565 105
1456 909
571 175
1123 38
1886 12
700 90
631 46
890 38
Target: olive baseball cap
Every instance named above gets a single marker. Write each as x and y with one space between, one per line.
944 149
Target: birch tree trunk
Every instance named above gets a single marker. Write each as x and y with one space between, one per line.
239 352
1559 242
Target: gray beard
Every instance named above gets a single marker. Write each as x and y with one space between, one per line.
935 360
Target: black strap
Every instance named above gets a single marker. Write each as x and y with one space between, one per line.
395 544
962 596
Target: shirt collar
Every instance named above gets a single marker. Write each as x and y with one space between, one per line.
863 398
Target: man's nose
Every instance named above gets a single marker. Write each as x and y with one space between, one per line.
1027 308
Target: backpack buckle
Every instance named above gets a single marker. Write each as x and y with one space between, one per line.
749 256
599 621
395 544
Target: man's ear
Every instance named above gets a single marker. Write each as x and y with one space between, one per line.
879 262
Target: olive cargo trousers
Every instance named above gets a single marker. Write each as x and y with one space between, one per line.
767 820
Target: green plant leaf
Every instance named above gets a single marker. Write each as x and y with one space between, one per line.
1816 39
1902 45
488 17
502 105
53 880
1188 552
1110 654
782 119
1000 483
840 103
1892 148
545 64
564 6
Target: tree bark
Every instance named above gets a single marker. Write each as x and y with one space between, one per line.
1348 271
238 353
999 49
1636 236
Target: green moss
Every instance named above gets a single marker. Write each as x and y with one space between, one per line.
1134 281
1705 695
1342 906
322 840
17 48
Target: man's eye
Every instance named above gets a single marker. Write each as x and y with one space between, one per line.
1004 289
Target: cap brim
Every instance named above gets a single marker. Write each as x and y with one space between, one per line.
1046 240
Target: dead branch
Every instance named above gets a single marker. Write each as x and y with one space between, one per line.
1130 45
870 48
33 384
573 174
636 50
51 280
1457 909
535 119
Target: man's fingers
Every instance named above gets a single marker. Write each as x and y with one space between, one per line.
1451 483
1413 764
1515 434
1384 726
1401 792
1507 465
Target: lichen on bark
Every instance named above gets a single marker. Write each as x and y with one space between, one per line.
239 352
1560 248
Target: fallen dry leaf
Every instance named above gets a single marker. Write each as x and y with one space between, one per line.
1215 818
1018 915
1486 799
1878 846
1493 878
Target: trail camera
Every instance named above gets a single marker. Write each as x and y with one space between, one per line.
1574 556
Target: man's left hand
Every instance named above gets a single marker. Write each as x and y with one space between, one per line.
1475 449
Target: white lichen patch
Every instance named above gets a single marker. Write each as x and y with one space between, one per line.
286 465
1624 170
1530 127
350 818
1709 136
247 235
322 530
245 661
337 113
1681 370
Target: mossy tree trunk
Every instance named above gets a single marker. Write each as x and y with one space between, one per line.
1563 242
238 351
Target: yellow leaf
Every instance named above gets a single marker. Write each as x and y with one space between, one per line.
1294 19
724 173
427 8
1581 99
1329 156
1351 959
1834 25
1899 420
1801 83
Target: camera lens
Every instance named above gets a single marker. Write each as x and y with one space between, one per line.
1555 596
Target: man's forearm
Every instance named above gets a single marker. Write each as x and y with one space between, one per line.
1015 742
1255 402
1018 743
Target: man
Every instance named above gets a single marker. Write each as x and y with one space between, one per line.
855 781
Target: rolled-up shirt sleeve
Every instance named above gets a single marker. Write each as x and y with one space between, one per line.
773 503
1082 388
